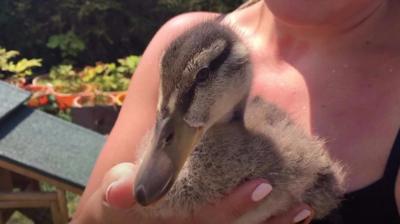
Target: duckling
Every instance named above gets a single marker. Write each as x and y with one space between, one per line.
210 136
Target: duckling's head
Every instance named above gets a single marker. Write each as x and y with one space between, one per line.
205 74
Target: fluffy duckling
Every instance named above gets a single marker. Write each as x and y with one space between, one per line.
209 137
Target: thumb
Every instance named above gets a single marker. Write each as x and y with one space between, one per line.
117 186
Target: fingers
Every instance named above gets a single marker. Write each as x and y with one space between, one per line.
117 186
118 182
244 199
116 194
113 200
299 214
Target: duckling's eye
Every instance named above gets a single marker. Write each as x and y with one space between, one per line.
169 138
203 75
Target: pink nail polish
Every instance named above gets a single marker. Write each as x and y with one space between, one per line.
305 213
261 192
108 190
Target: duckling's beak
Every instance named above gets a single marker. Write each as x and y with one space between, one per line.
173 142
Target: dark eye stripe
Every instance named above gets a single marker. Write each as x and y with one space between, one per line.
187 99
218 61
214 65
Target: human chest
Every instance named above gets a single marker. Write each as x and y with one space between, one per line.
355 109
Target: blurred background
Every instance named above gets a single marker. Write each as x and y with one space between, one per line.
83 32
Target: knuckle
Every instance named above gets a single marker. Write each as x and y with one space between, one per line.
235 211
118 171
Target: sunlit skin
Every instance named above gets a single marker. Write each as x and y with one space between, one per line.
332 65
327 88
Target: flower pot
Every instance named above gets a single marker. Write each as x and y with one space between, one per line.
19 82
41 80
112 93
66 100
90 100
83 88
119 99
98 118
38 99
96 111
35 89
83 101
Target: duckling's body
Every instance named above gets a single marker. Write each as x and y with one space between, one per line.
239 139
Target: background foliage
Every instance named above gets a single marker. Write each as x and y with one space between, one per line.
85 31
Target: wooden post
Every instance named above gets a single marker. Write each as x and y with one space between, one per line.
55 213
62 204
2 220
5 180
6 185
55 200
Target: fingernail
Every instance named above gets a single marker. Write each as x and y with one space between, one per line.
261 192
108 190
305 213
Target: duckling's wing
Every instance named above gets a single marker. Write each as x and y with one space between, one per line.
316 177
260 113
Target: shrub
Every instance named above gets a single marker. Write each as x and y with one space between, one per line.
83 32
9 67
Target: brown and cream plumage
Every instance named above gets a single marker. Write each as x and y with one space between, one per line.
209 137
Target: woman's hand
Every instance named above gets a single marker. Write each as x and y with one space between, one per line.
114 203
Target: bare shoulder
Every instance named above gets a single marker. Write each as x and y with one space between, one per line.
177 25
184 21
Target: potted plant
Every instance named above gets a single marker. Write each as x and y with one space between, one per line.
128 65
95 111
42 80
15 72
112 83
37 88
67 84
38 99
91 100
119 98
111 78
41 83
99 110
